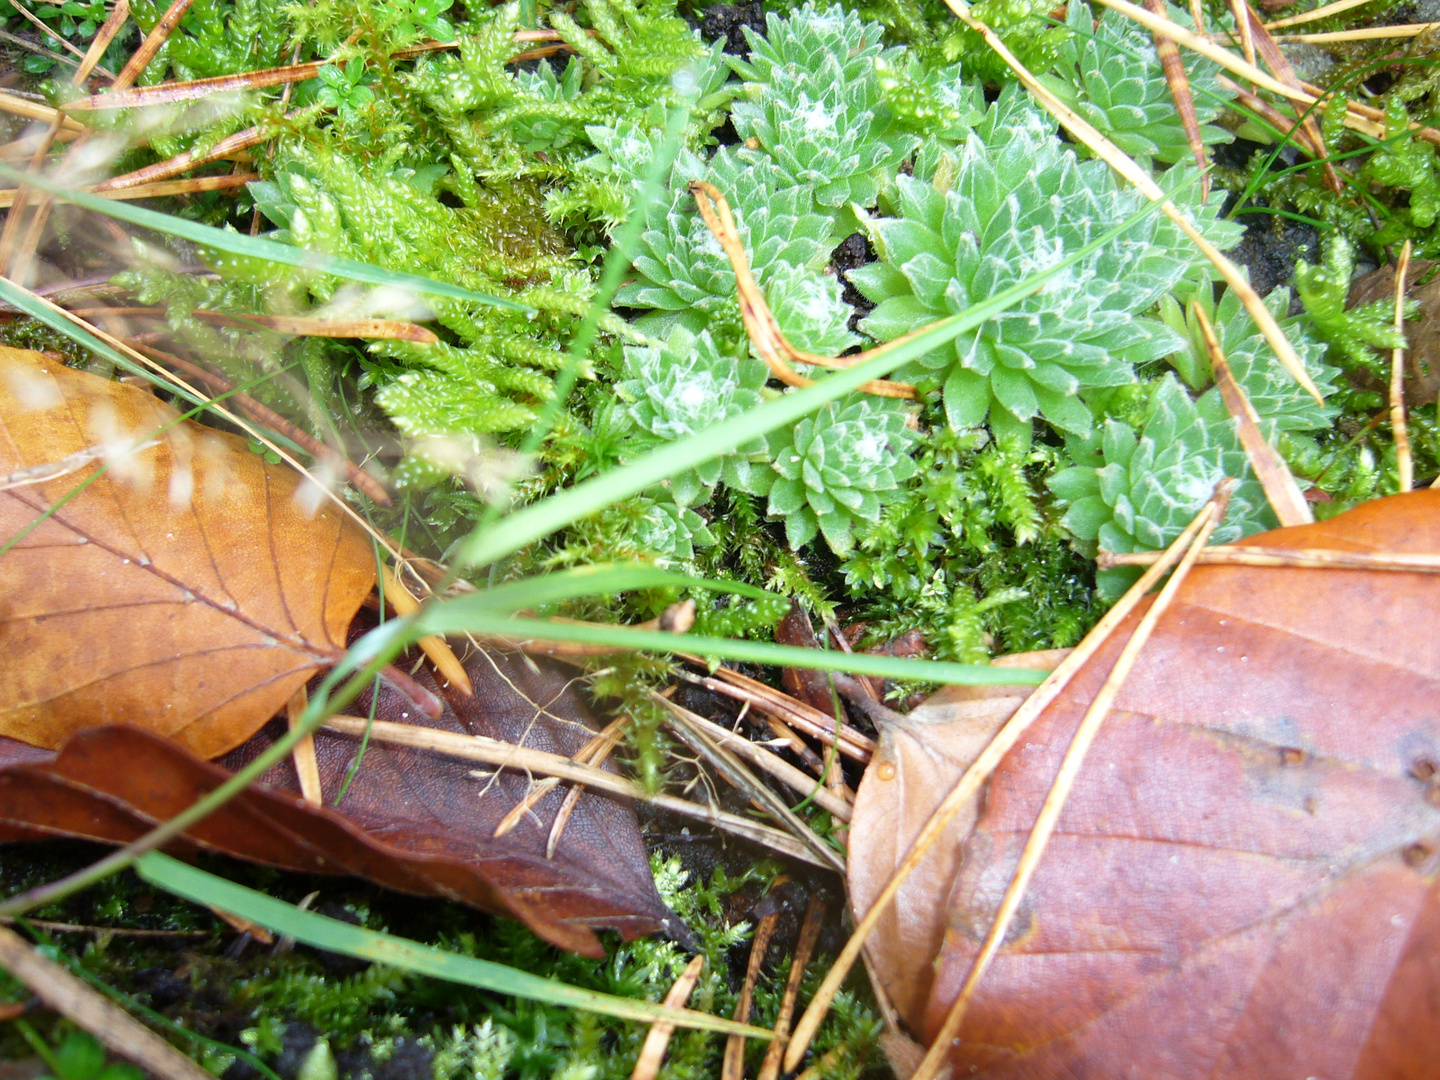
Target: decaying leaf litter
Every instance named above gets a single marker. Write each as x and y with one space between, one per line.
1280 490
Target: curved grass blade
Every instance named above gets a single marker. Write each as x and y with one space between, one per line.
256 247
457 617
332 935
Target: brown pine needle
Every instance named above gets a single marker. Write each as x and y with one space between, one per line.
1126 166
440 653
813 722
191 186
1302 558
163 170
733 1064
1174 68
1404 462
508 756
109 1023
738 776
306 767
837 804
159 34
355 476
809 934
1045 822
1277 62
652 1052
1237 8
760 324
968 784
1274 475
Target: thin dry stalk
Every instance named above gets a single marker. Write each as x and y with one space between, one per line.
1313 16
968 785
508 756
109 1023
98 931
36 110
1247 38
797 745
191 186
735 773
433 646
306 767
550 783
809 934
1301 558
760 324
1274 475
35 21
1123 164
812 721
1404 461
733 1064
1064 782
604 746
31 47
652 1051
834 803
1367 33
357 477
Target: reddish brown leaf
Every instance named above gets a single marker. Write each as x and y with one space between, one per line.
412 820
1243 882
190 589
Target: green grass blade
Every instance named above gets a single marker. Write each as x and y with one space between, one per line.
446 619
335 936
255 247
601 579
539 520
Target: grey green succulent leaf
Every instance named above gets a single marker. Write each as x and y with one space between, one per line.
1014 200
670 531
1137 492
836 468
1111 75
680 388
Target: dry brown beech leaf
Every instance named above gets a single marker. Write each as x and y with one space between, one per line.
1243 882
191 589
412 820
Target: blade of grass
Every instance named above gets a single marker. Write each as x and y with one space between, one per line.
456 617
256 247
487 544
333 935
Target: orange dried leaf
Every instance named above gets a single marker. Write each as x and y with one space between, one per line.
189 588
1244 879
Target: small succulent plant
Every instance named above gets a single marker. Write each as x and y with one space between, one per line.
1111 75
684 277
1281 403
813 102
1134 492
683 387
1015 200
837 467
